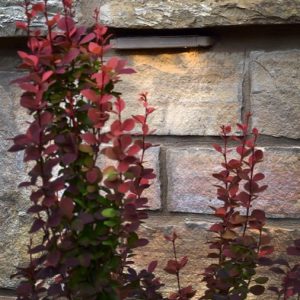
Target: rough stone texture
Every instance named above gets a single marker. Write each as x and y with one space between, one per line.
275 92
194 91
193 13
193 237
13 203
190 184
12 11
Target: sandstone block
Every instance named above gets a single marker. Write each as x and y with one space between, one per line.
275 92
161 14
190 184
194 92
13 202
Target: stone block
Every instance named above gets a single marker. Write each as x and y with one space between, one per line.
190 184
160 14
12 11
13 202
275 92
194 91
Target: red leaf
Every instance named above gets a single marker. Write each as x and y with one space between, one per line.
220 212
128 125
172 267
120 105
293 251
152 266
65 22
39 7
46 118
87 38
217 147
142 242
51 149
258 176
145 129
53 258
71 55
216 228
37 225
123 166
67 206
124 187
182 262
258 155
21 25
259 215
89 138
139 118
95 48
266 250
94 175
47 75
68 3
28 59
133 150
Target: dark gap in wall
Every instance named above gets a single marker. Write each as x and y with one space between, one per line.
218 30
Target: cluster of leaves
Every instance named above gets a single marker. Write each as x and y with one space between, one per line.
174 267
85 218
240 239
290 274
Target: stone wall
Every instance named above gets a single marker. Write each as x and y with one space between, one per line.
250 67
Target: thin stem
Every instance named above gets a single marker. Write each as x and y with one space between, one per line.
177 273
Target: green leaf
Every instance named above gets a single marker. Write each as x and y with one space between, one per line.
110 223
261 280
109 212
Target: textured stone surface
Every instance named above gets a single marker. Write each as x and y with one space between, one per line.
194 92
12 11
275 92
190 184
13 203
193 237
193 13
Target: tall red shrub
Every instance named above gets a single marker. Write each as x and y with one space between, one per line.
85 218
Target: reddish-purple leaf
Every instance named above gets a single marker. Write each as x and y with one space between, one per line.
36 225
152 266
89 138
128 125
53 258
87 38
258 177
257 289
94 175
218 148
67 206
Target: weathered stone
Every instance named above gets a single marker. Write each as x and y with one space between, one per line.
194 92
160 14
13 202
275 92
193 243
12 11
190 184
